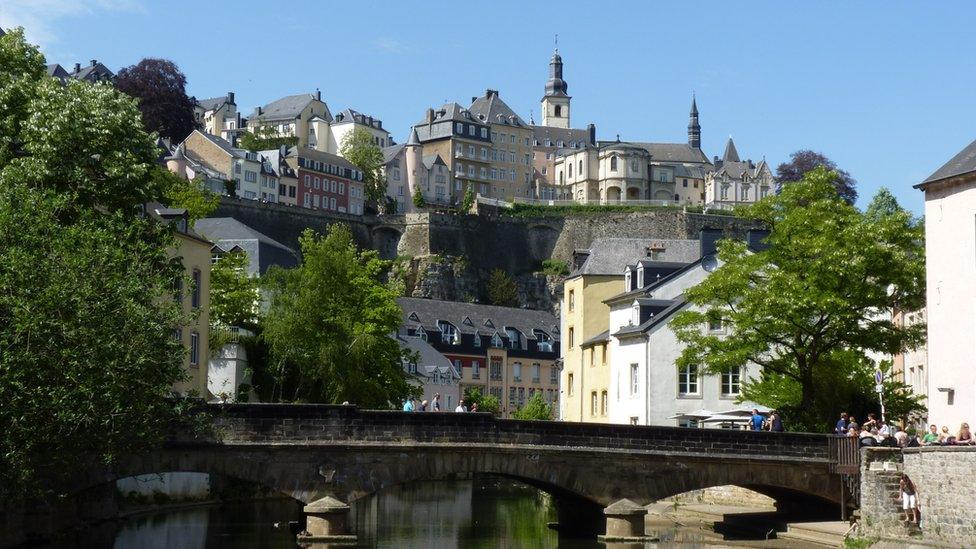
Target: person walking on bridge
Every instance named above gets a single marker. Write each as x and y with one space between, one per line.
435 403
757 420
460 407
841 427
408 405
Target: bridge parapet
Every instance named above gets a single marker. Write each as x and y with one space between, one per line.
310 423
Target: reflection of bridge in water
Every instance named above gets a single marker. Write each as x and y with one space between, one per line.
341 453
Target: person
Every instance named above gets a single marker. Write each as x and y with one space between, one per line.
408 405
474 407
460 406
901 437
423 406
435 403
885 430
841 427
931 438
775 422
908 495
872 421
945 437
853 430
757 420
965 436
865 433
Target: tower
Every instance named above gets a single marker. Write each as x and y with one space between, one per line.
414 154
555 104
694 128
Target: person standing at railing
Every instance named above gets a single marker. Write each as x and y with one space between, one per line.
841 427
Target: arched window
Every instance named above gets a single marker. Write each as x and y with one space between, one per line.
561 178
570 168
581 167
613 163
559 110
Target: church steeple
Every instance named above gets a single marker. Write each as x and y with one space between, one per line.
555 104
694 128
731 155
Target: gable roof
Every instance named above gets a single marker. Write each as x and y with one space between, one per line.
228 228
287 108
653 286
212 103
93 72
490 109
57 71
542 134
426 313
321 156
223 144
660 315
731 155
431 159
391 152
348 116
609 256
964 162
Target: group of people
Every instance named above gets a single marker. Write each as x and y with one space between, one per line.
760 422
411 405
875 432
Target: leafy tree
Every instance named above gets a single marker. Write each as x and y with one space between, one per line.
418 198
486 403
358 147
468 200
804 161
233 293
555 267
160 87
328 325
535 408
88 360
883 204
502 289
807 308
183 193
265 138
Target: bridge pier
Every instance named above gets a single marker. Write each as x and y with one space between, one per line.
625 522
328 524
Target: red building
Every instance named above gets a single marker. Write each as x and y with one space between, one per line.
326 181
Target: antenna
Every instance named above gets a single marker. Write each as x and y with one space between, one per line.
556 46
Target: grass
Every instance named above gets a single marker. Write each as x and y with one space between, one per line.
535 210
859 543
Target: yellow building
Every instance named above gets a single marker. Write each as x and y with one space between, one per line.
599 274
511 170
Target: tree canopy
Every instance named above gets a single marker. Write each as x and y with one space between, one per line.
234 294
186 193
160 87
535 408
265 138
358 147
809 307
804 161
502 290
329 324
86 313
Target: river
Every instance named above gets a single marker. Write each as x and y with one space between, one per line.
485 512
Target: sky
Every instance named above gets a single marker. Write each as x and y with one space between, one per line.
885 89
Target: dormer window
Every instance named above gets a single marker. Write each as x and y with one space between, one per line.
627 280
515 339
640 276
496 340
543 340
449 333
635 314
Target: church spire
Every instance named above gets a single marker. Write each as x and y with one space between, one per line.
731 155
556 85
694 128
555 103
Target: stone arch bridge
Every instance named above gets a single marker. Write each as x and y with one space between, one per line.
314 451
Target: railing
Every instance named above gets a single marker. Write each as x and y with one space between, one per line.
845 455
493 201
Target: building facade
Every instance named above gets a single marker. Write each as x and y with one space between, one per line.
502 351
349 120
218 116
462 141
326 181
431 372
304 116
242 167
510 171
734 181
950 266
406 169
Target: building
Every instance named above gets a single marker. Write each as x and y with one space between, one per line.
598 275
194 253
510 171
304 116
646 385
262 251
911 367
194 170
218 116
431 372
349 120
406 168
502 351
326 181
950 266
555 103
279 170
463 142
92 72
734 181
242 167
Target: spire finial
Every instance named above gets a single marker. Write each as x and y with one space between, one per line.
556 46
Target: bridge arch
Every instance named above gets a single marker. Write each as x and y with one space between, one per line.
386 240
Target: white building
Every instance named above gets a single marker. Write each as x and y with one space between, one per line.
950 265
432 372
646 385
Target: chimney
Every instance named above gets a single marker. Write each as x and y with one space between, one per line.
473 99
94 62
591 130
490 92
430 115
708 240
756 239
230 98
318 94
259 111
77 67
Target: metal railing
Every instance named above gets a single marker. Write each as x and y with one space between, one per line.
844 454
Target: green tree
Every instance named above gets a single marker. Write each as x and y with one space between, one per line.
883 204
186 193
809 306
265 138
418 198
86 319
358 147
486 403
535 408
502 289
329 323
468 200
233 293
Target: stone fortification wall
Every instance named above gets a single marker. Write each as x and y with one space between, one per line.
946 483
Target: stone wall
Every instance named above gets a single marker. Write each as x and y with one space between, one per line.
946 480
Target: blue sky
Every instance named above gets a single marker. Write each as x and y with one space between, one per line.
886 89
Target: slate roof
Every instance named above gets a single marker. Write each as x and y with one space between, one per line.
674 152
228 228
57 71
648 288
391 152
348 116
431 159
227 232
609 256
286 108
731 155
472 318
213 103
430 359
555 135
964 162
491 109
329 158
601 337
659 316
223 144
449 111
92 72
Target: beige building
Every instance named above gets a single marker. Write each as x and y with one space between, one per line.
406 169
304 116
734 181
510 171
598 275
242 167
218 116
463 143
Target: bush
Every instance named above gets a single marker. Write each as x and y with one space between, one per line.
535 408
502 289
555 267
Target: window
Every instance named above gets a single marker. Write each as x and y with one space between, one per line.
484 153
471 151
633 380
470 171
684 183
536 372
484 133
250 177
194 348
593 403
316 201
724 194
495 369
496 340
511 397
603 403
730 382
715 325
571 343
512 138
569 384
553 374
197 282
449 333
460 127
688 380
342 188
475 370
569 170
308 180
559 110
613 163
580 170
634 166
332 203
517 371
521 396
470 130
476 339
318 183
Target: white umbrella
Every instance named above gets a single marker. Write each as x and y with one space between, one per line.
747 411
725 418
699 414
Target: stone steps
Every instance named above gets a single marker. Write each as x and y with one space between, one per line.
825 534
